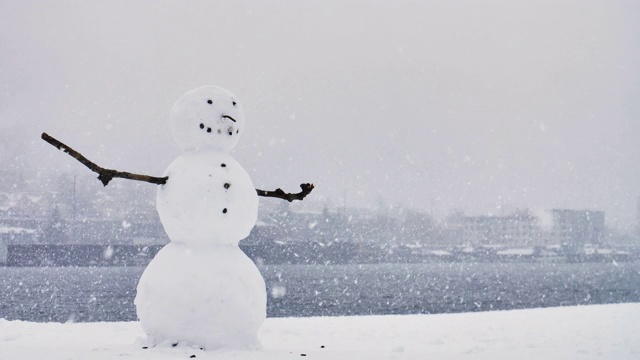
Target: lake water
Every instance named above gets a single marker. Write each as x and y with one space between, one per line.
106 293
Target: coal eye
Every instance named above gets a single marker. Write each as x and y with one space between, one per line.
209 101
234 103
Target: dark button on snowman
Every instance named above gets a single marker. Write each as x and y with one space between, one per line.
201 289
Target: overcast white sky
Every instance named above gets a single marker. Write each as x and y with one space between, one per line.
485 106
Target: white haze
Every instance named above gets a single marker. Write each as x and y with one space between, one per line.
484 106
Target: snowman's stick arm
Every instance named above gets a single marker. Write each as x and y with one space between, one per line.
104 175
279 193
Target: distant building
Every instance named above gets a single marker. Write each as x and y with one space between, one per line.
577 228
3 251
518 229
638 218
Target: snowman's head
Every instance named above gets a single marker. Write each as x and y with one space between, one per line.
207 118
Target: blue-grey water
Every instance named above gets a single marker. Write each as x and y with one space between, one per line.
106 293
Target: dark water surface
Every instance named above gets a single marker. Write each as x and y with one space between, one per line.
106 293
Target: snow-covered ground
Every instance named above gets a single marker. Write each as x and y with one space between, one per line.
587 332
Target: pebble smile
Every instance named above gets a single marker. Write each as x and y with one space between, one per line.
208 129
202 127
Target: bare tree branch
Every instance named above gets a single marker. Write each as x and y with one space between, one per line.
279 193
104 175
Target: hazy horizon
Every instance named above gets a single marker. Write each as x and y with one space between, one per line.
484 106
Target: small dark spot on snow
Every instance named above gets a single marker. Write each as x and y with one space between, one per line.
145 347
209 101
201 126
321 346
230 133
219 131
226 185
234 103
303 354
208 130
223 165
237 131
192 356
174 344
224 211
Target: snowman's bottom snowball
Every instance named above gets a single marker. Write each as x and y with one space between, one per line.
210 297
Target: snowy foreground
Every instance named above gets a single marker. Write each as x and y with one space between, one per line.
587 332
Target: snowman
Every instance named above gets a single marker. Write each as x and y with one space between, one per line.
201 289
